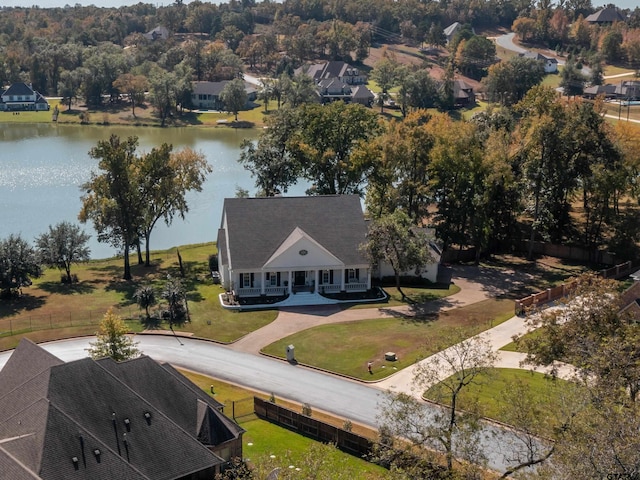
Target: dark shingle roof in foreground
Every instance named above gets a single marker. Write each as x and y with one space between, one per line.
130 420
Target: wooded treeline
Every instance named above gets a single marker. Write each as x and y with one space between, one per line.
80 51
546 169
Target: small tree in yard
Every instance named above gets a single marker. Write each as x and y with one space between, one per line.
175 296
447 430
63 245
112 340
393 239
146 298
18 263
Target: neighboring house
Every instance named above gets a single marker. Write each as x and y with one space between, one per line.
451 31
338 80
102 420
275 246
22 97
206 95
630 300
607 91
605 16
463 94
550 63
628 90
335 69
158 33
428 272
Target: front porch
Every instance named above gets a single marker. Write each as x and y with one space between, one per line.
292 282
303 298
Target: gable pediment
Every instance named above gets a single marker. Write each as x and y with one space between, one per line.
301 250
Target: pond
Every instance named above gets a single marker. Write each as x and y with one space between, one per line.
42 167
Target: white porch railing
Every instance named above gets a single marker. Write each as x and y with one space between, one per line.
248 292
355 287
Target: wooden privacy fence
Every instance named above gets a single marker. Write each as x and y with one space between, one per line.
561 291
349 442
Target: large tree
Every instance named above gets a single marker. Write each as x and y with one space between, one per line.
234 96
112 340
111 199
327 144
164 178
507 82
134 87
63 245
18 263
393 239
269 160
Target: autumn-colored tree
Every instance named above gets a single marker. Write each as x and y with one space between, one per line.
112 340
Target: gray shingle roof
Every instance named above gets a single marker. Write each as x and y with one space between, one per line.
258 226
43 418
605 15
19 88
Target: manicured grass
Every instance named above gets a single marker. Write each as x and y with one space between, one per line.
264 439
50 310
414 295
519 347
346 348
552 79
487 393
613 70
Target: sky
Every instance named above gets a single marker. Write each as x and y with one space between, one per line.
121 3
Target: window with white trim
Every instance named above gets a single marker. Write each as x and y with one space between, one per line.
325 277
352 275
246 280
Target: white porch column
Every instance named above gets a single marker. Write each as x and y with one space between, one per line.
368 278
342 270
316 283
263 276
290 286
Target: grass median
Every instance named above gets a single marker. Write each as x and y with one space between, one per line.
346 348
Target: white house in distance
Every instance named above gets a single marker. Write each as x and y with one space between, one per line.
550 64
22 97
281 246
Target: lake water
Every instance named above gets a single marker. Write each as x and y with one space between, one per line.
42 167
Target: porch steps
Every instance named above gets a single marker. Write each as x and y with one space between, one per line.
305 298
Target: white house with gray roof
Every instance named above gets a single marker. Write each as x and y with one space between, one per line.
278 246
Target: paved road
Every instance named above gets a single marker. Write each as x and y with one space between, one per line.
342 397
506 41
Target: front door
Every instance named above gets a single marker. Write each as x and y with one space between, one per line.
300 278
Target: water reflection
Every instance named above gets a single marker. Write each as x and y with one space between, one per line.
42 167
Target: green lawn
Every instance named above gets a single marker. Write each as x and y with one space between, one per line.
50 310
264 439
346 348
414 295
487 393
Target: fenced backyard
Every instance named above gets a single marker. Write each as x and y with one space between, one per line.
25 323
561 291
346 441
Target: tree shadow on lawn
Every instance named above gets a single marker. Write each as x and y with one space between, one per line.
60 288
151 323
14 306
